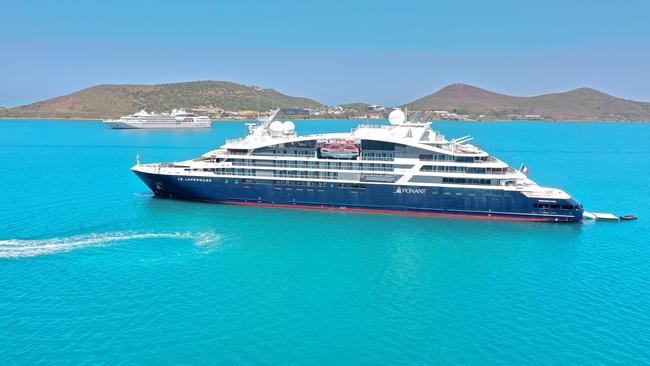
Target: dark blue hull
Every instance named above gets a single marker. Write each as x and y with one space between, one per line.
365 197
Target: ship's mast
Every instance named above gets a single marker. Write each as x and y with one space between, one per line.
265 125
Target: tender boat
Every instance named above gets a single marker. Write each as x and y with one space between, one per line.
340 150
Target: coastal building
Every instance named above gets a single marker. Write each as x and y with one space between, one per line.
446 115
294 113
336 110
210 109
248 114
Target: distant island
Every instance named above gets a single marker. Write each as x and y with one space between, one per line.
227 100
213 98
583 104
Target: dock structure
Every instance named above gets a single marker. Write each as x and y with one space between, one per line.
600 216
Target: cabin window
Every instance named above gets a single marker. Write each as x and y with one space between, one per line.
377 145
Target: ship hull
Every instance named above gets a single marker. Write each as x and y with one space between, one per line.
155 126
388 198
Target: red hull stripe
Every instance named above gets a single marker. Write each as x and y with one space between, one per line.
380 211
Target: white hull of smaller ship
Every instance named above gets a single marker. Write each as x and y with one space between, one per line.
179 125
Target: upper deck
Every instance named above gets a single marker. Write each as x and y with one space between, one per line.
417 135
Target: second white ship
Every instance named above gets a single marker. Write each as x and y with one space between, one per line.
179 118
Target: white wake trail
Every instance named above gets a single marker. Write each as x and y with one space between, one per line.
16 248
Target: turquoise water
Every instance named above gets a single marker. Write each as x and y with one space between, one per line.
93 269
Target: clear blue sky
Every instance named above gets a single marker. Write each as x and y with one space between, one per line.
387 52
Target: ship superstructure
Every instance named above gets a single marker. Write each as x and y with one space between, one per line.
178 118
403 167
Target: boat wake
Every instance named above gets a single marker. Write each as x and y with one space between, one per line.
17 248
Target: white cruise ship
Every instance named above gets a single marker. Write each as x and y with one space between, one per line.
179 118
405 167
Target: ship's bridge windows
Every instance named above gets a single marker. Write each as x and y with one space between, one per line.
301 144
377 145
286 150
238 151
464 159
434 157
467 181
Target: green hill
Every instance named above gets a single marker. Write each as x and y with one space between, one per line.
576 105
110 101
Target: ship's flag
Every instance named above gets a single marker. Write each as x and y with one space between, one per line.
523 169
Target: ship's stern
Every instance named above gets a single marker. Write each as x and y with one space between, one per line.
554 203
577 210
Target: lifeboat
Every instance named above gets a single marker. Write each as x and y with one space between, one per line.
339 150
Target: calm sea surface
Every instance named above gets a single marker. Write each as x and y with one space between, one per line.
94 270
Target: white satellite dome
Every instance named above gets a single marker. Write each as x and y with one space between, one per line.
276 128
396 117
289 128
